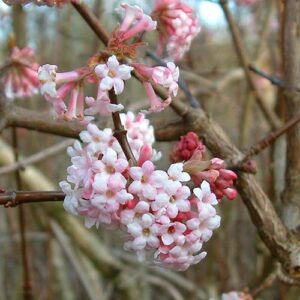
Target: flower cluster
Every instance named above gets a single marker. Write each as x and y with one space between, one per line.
105 70
156 208
191 150
177 27
20 74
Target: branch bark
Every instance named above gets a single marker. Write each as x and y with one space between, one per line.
291 60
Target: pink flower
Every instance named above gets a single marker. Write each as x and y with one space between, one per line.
134 22
173 199
112 75
146 180
72 197
173 233
156 104
236 296
20 76
177 27
144 233
101 106
71 85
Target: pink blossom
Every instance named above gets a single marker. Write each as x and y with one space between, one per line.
144 233
177 27
112 75
134 22
156 104
236 296
146 180
20 76
173 233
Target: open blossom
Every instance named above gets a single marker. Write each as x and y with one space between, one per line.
71 85
20 76
167 77
177 27
112 75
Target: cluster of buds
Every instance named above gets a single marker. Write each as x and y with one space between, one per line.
177 26
51 3
105 70
20 74
157 209
191 150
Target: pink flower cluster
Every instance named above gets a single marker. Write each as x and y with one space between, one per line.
155 208
177 27
109 75
191 150
20 74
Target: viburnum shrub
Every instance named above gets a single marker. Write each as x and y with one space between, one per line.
113 180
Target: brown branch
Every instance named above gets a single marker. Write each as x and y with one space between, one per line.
291 57
120 132
265 142
12 199
243 60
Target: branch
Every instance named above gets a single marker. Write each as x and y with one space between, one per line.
120 132
241 53
266 142
12 199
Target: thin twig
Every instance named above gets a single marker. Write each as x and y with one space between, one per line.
120 132
36 157
270 138
267 283
11 199
241 53
272 79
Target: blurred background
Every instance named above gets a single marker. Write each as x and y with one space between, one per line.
71 263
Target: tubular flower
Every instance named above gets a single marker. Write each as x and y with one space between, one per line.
71 85
156 209
20 75
177 27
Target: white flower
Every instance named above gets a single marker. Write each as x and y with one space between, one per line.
113 74
47 76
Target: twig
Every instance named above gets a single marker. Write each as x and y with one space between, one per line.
268 282
120 132
27 286
272 79
181 82
11 199
241 53
265 142
36 157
